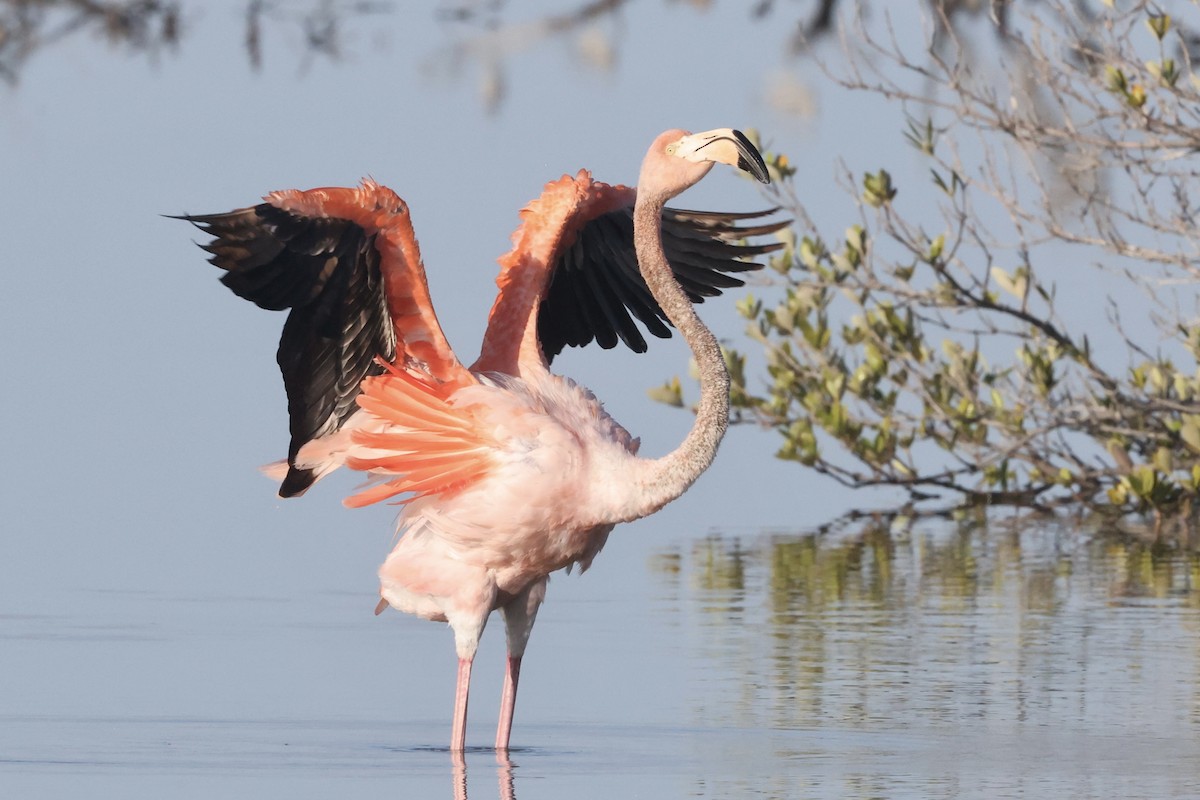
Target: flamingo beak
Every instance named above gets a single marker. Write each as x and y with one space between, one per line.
724 145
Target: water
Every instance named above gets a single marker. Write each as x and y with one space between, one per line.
938 660
1024 659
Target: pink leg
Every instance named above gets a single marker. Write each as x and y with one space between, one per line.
508 702
519 616
458 733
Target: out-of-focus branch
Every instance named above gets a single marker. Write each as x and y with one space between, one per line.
485 34
29 27
492 37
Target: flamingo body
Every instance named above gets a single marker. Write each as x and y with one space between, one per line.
547 440
507 472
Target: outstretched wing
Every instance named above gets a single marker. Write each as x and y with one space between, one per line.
596 290
572 276
346 262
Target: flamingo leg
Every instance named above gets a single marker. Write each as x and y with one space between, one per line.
508 702
519 616
458 732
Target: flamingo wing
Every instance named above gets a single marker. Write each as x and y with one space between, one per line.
346 262
425 444
596 289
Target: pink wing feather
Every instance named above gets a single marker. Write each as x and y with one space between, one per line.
431 445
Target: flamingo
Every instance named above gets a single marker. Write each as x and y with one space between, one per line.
506 471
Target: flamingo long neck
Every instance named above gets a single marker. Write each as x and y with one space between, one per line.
659 481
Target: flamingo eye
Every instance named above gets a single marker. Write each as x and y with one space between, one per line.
671 148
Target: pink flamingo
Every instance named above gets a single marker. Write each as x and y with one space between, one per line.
509 472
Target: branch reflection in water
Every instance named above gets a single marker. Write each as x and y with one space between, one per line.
1000 626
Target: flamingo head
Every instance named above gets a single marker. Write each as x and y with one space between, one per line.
679 159
721 145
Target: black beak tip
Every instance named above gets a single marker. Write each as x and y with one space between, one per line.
759 171
750 160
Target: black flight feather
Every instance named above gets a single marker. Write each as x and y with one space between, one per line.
596 290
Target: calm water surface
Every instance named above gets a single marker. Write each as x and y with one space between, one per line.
942 660
951 660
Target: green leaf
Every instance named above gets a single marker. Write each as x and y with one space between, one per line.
921 136
835 384
1142 481
1159 24
878 188
1016 285
749 307
1190 433
810 252
1115 79
1163 460
935 248
670 393
1166 71
856 238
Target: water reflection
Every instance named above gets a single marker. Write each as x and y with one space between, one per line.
934 635
504 776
